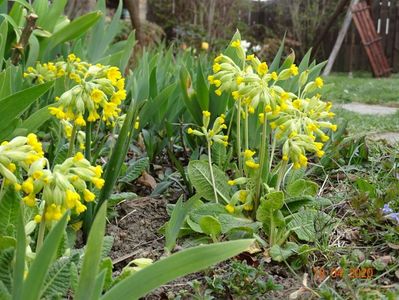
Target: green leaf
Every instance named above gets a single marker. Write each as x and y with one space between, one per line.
177 265
106 267
51 17
39 269
176 221
92 257
7 242
280 254
302 187
34 49
6 268
310 224
37 119
9 210
202 88
189 98
135 170
13 106
200 176
118 155
3 39
73 30
58 278
233 53
230 222
210 225
269 209
276 61
366 187
19 267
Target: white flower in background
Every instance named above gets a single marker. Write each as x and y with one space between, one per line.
245 44
256 48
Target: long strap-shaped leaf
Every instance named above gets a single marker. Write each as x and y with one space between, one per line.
176 265
19 267
13 106
92 258
40 266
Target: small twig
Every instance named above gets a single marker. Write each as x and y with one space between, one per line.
24 39
131 254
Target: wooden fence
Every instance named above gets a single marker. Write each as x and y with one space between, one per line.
352 56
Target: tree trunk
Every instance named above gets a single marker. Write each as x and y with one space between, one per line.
77 8
133 6
211 16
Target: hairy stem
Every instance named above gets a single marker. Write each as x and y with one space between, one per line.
42 229
262 154
72 141
211 170
240 166
246 129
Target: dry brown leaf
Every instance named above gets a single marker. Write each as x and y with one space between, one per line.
393 246
147 180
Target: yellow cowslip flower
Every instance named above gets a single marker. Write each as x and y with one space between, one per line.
216 67
98 182
97 95
236 95
114 75
218 92
231 182
261 118
236 44
319 82
294 70
79 121
29 200
262 68
230 208
205 46
251 164
274 76
248 153
250 57
88 196
37 219
239 80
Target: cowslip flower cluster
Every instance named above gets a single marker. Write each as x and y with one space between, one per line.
296 120
65 187
213 134
97 90
19 152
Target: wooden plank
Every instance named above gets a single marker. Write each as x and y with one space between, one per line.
371 41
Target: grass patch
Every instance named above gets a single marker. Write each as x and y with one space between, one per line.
362 88
360 124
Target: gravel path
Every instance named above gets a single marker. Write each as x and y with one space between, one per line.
366 109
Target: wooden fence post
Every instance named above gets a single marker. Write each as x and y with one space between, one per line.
340 39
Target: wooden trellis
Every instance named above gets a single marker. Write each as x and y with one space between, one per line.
370 39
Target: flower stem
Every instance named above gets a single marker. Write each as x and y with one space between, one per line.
240 166
42 229
72 141
211 170
88 141
262 154
246 130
